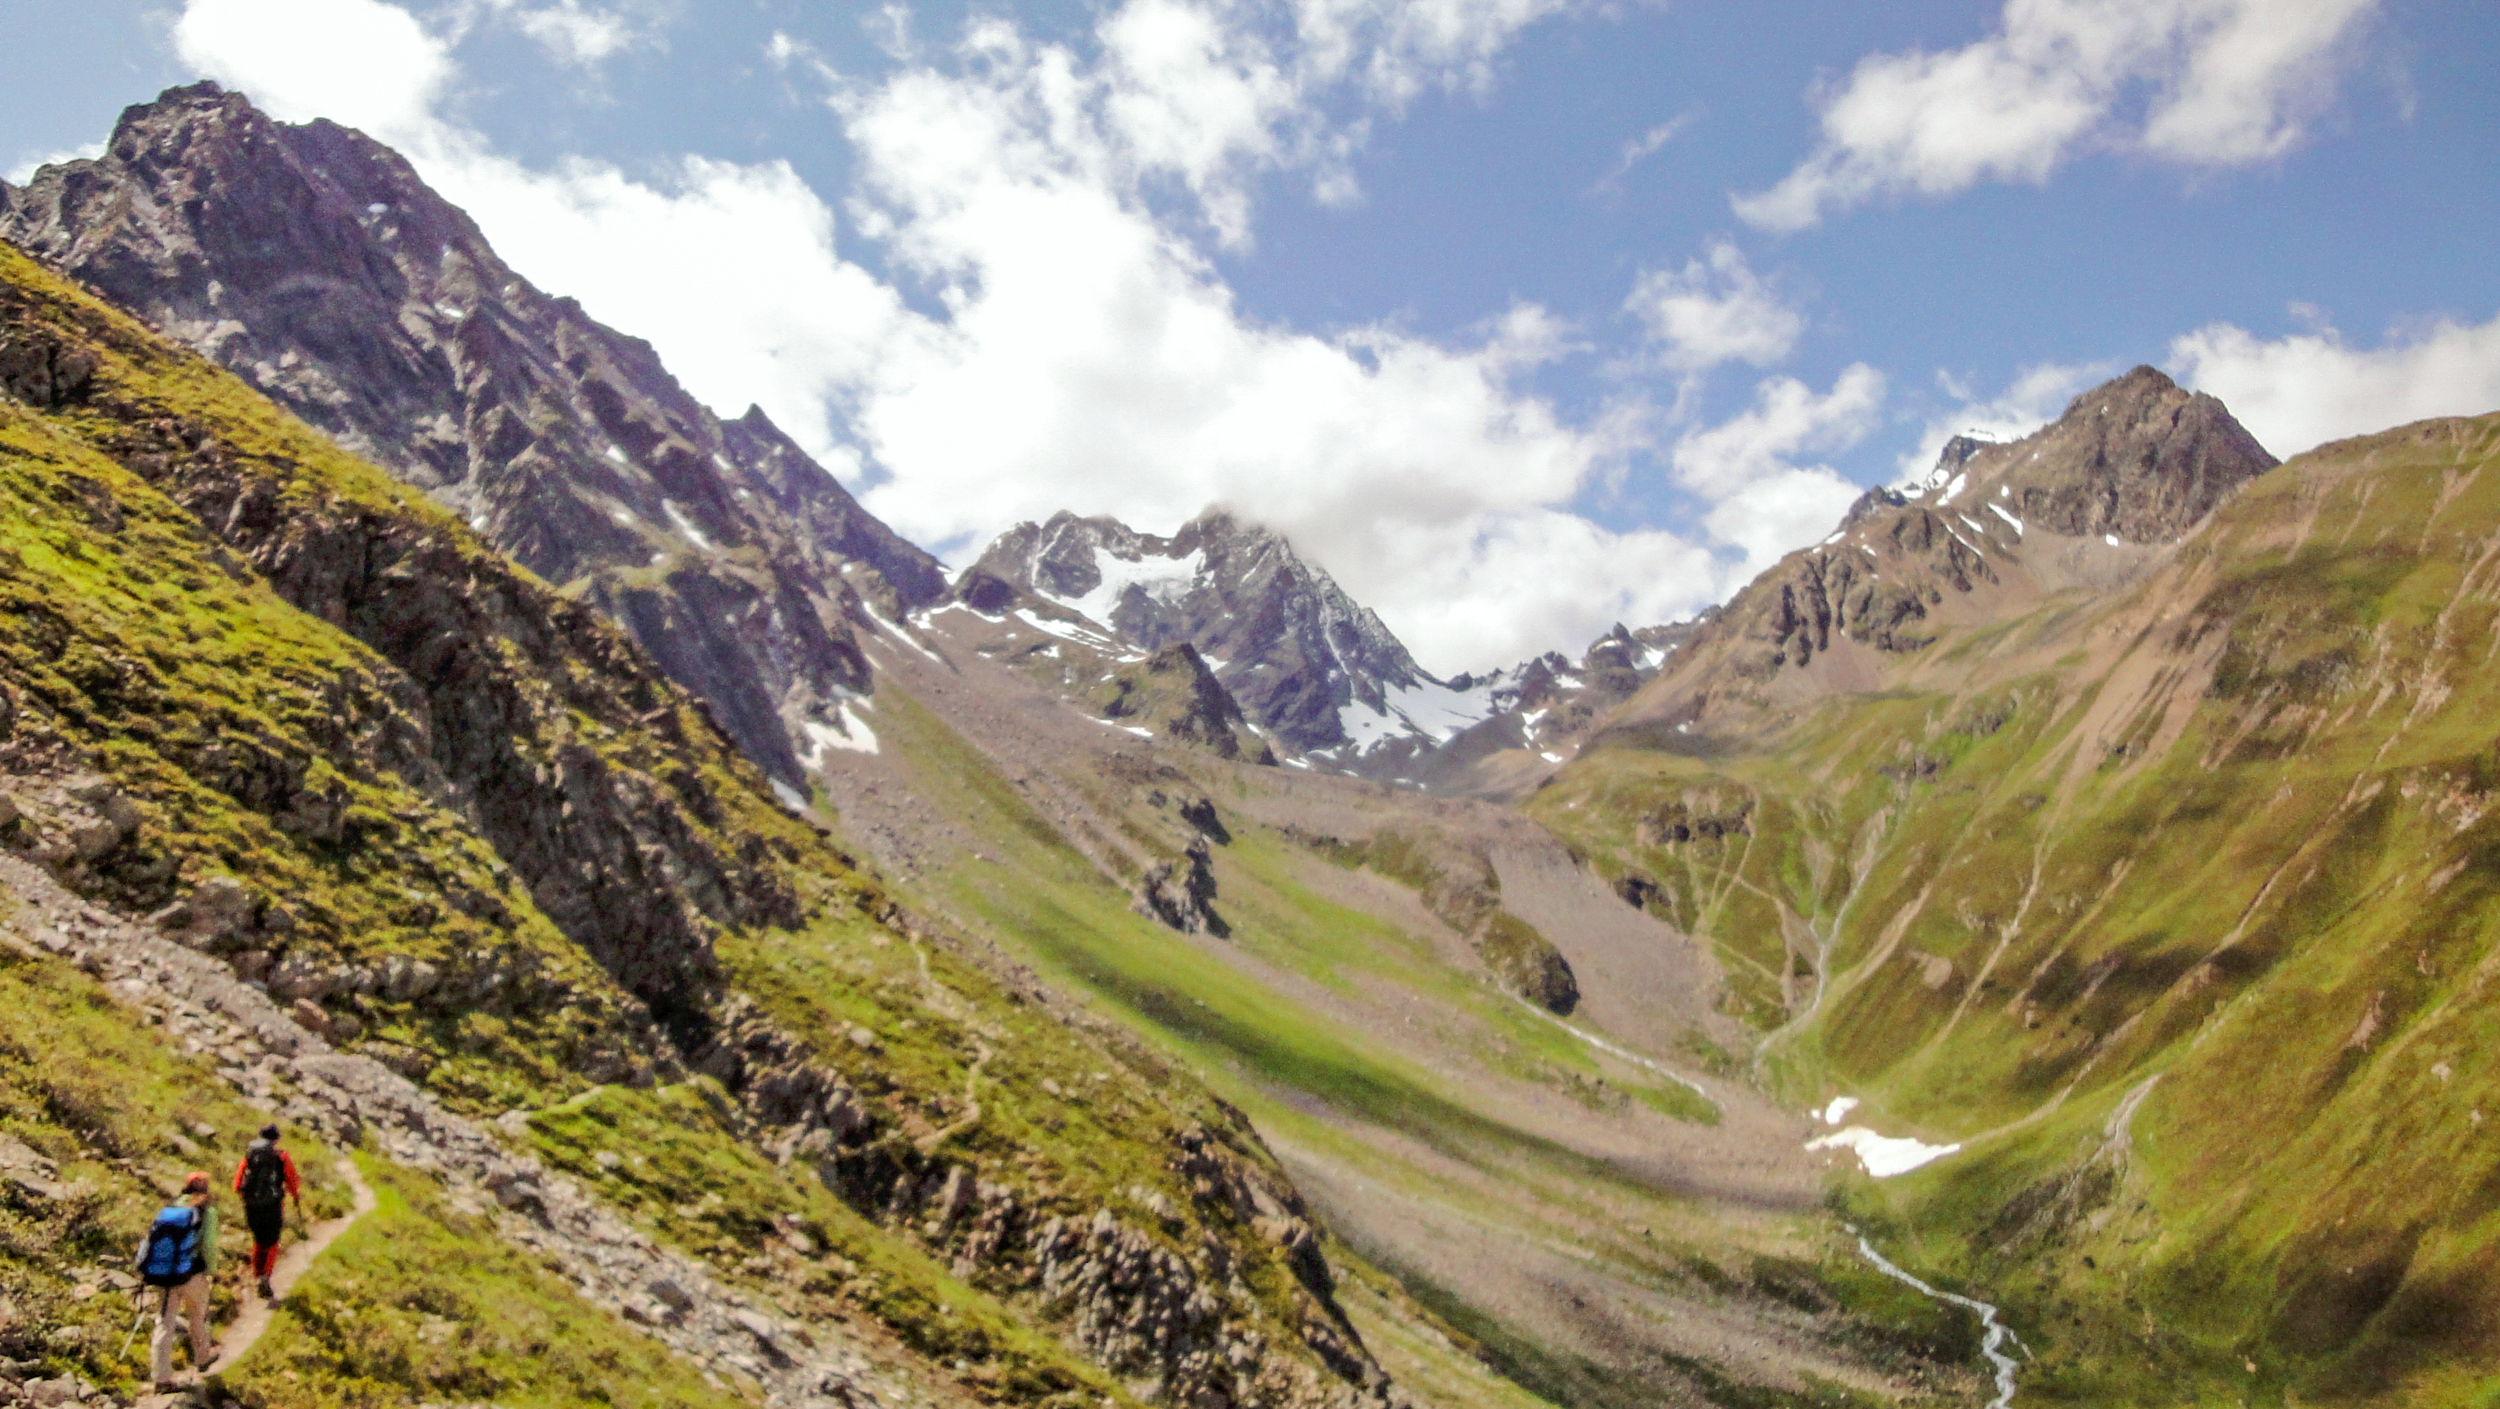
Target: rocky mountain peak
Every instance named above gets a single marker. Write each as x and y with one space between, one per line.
2132 465
2138 458
318 265
1306 661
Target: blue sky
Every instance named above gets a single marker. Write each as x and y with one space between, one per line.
1521 316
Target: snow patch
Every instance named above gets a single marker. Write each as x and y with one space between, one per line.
685 525
1166 580
1424 709
1883 1155
2111 539
1551 757
1115 724
789 796
2009 518
1066 631
1840 1106
899 634
616 454
1953 487
845 731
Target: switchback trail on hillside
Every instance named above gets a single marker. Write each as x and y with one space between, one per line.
293 1263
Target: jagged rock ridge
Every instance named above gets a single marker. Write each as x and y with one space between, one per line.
313 261
2131 467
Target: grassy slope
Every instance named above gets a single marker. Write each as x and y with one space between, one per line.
147 651
134 643
2247 855
401 1305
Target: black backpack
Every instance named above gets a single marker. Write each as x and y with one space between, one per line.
171 1255
264 1177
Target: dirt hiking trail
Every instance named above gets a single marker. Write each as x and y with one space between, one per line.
293 1261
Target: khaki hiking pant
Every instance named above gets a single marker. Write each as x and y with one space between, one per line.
188 1302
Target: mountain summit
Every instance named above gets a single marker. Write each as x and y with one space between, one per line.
2138 458
1308 663
313 261
2088 501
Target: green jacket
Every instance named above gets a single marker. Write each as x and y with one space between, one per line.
208 1238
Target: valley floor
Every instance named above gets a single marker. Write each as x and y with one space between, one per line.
1609 1221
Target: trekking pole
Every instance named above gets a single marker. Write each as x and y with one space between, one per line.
140 1300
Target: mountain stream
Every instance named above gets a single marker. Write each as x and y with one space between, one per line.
1999 1334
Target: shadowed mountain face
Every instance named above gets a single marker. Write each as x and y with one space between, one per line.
313 262
1301 656
1081 601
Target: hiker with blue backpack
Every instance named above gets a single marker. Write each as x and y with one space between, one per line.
176 1257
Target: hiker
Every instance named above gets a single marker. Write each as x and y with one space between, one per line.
266 1180
176 1257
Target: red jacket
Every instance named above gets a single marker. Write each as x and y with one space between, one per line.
294 1186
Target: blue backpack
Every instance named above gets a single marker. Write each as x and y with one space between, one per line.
171 1255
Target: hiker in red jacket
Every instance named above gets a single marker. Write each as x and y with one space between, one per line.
266 1180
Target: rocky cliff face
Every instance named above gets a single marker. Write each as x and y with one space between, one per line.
1307 663
314 263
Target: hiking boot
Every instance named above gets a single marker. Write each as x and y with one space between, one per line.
267 1292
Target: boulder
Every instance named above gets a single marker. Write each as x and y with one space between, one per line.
309 1016
26 1172
298 977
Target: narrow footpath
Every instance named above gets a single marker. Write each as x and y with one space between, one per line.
293 1261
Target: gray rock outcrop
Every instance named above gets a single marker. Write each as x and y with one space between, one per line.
313 262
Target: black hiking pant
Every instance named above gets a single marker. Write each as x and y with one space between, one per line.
266 1221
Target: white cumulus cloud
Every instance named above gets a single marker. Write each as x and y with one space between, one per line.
364 63
2297 392
26 168
2204 83
1746 470
1714 310
1069 343
2036 396
576 34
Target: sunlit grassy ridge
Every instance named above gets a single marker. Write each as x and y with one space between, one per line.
2219 855
220 693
